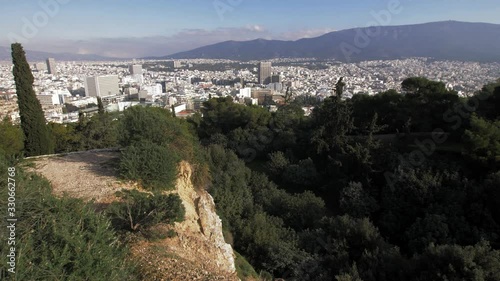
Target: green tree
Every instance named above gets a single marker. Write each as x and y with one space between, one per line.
342 156
173 111
100 106
298 211
157 125
489 101
334 122
387 105
339 88
351 275
65 137
277 164
100 131
432 229
453 262
303 173
482 141
426 102
341 242
37 139
230 188
222 115
441 204
356 202
11 139
422 85
271 246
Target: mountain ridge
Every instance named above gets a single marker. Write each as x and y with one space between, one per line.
447 40
443 40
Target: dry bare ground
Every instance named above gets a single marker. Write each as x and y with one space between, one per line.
85 175
197 252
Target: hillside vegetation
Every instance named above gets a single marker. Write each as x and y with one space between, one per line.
396 186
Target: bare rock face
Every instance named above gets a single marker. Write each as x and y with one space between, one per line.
200 234
211 226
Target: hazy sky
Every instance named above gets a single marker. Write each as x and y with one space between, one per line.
135 28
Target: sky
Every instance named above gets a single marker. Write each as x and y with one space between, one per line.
139 28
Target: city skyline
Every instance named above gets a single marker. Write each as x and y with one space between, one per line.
153 28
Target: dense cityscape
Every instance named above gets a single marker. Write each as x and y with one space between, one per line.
67 88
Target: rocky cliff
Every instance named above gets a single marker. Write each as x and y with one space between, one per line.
200 237
198 251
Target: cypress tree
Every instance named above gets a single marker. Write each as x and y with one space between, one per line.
173 111
37 139
100 106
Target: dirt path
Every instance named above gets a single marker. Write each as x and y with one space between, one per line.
86 175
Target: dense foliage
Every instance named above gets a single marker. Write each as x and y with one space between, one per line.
11 139
154 143
60 238
154 166
396 186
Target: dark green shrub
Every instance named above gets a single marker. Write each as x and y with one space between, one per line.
61 238
454 262
11 139
156 125
154 166
244 269
139 210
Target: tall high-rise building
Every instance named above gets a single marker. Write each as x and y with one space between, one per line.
174 64
136 72
135 69
51 66
265 73
101 86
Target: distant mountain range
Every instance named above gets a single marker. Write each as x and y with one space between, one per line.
449 40
5 55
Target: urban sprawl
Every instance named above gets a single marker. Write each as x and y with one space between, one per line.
68 89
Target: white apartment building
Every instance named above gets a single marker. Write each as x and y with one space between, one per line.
102 86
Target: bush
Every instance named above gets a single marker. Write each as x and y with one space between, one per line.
139 210
61 238
244 269
298 211
304 173
156 125
99 131
453 262
277 163
356 202
11 139
154 166
482 142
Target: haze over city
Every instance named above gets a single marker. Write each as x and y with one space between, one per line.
128 29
